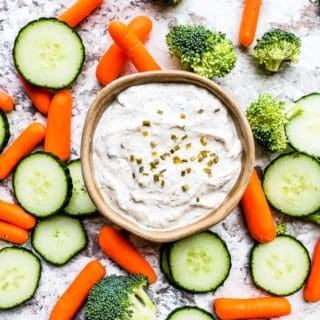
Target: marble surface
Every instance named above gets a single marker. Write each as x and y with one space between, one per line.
244 83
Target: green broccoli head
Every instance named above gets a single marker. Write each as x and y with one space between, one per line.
120 298
207 53
275 47
267 118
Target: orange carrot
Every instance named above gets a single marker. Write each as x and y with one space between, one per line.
12 233
130 44
40 97
311 291
12 213
114 59
248 308
72 299
78 11
121 251
249 22
257 211
6 101
24 143
58 134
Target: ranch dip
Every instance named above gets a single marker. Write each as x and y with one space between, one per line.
165 154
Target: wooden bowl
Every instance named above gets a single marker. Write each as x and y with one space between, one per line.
101 102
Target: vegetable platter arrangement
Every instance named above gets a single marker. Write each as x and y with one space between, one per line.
59 259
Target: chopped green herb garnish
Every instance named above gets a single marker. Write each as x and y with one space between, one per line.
165 155
153 144
214 157
154 153
156 178
176 160
197 199
188 145
200 111
173 137
141 169
139 161
133 175
183 115
183 173
159 112
207 171
184 137
176 147
145 133
146 123
203 141
131 157
162 183
185 187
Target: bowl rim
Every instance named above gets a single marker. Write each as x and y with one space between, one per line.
107 95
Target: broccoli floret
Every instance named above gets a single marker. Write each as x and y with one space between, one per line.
275 47
202 51
267 118
120 298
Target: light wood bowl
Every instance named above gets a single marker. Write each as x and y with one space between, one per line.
101 102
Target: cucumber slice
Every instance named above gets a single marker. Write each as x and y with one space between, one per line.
291 183
42 184
303 131
199 263
164 264
48 53
80 203
59 238
281 266
20 272
189 313
4 130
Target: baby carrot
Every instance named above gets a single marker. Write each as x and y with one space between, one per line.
12 213
40 97
6 101
257 211
24 143
249 22
78 11
12 233
130 44
311 291
58 134
114 59
262 307
121 251
72 299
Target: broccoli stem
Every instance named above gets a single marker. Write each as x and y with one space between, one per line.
314 218
273 65
292 110
142 306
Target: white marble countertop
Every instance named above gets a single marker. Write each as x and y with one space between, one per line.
244 83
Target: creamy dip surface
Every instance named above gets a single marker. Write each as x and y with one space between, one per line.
166 154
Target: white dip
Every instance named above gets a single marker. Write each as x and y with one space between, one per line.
166 154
